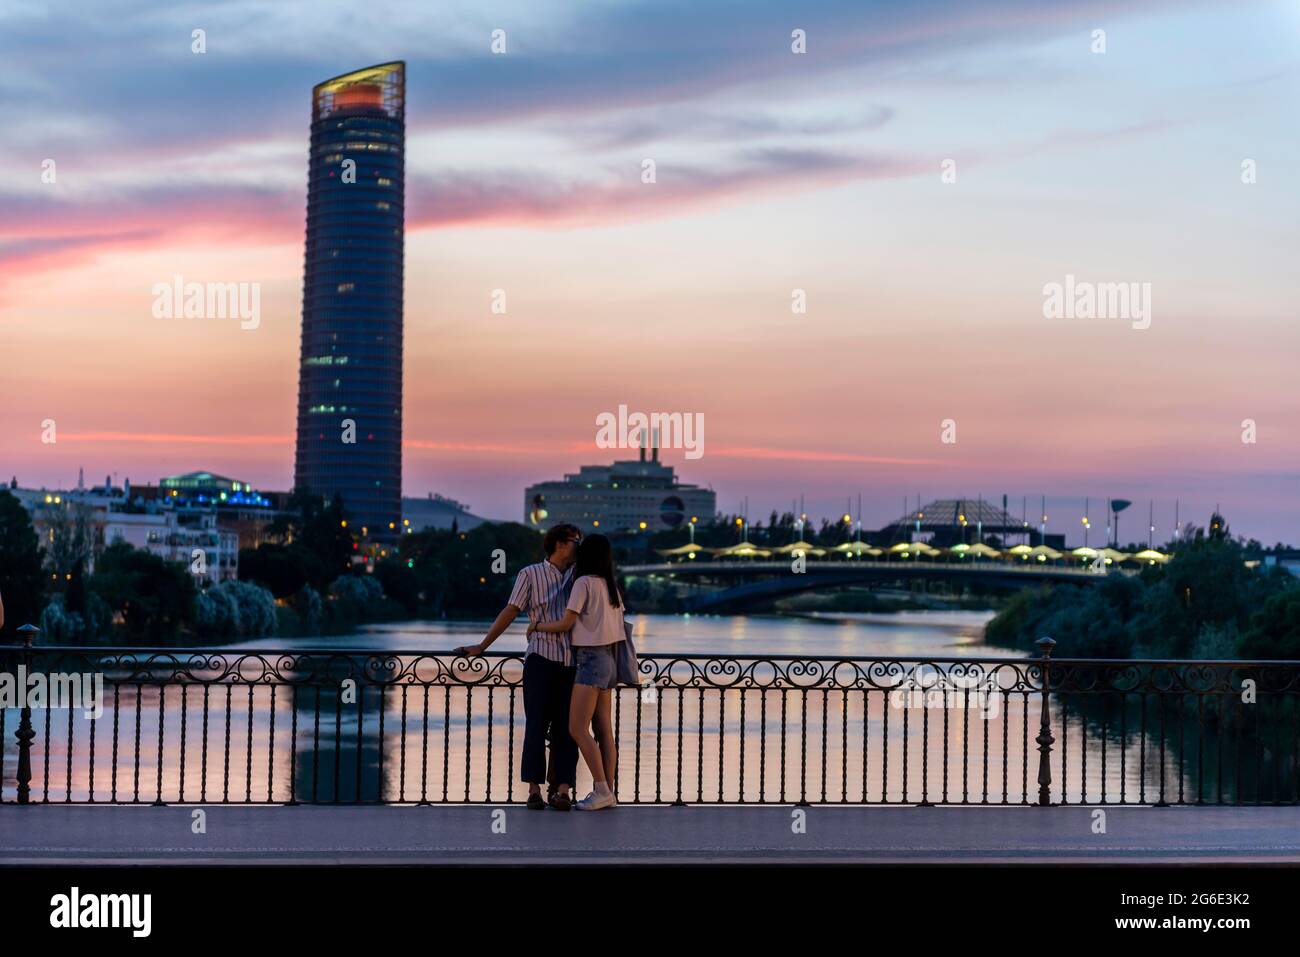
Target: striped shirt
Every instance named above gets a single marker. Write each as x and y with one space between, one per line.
541 592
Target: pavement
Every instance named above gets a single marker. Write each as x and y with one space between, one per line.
645 834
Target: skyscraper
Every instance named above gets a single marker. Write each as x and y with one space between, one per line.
350 370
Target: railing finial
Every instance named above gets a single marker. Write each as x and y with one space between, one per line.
1045 739
25 732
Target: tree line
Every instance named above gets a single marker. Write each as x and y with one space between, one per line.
312 577
1207 602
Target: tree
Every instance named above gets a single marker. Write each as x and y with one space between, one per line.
154 597
22 580
457 572
400 583
284 569
322 531
473 586
70 540
1206 584
1275 629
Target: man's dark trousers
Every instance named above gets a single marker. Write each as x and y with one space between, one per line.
548 686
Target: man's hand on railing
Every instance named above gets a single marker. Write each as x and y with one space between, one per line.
469 651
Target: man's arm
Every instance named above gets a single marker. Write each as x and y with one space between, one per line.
503 621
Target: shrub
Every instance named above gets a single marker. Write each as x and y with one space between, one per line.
60 626
236 609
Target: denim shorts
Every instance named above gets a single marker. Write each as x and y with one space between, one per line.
596 667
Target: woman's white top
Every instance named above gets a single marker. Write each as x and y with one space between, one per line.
599 622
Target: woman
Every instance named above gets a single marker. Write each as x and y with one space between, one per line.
594 616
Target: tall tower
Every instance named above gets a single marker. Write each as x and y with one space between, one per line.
350 368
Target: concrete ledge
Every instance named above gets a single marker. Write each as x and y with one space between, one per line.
53 834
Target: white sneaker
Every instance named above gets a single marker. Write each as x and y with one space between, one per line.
595 802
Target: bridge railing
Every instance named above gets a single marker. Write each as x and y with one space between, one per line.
332 726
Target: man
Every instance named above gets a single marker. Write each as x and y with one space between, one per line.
541 591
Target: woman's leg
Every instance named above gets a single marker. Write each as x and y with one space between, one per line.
604 728
581 707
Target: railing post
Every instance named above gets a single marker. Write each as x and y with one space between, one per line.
1045 739
25 734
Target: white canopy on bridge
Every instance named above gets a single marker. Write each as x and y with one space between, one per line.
688 549
909 548
742 550
1151 557
858 548
808 548
979 549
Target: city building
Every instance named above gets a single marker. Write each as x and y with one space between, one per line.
952 521
239 507
437 512
106 515
349 438
624 497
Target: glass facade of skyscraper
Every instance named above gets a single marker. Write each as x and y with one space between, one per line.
350 371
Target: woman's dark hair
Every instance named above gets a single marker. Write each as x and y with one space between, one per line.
595 557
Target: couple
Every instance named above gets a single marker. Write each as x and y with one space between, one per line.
575 612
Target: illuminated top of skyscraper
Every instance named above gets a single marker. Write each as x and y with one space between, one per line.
378 88
350 373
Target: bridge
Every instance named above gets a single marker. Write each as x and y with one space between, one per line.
768 580
356 745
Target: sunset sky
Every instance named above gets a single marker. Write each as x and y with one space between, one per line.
775 171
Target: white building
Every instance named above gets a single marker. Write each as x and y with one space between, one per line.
188 535
624 497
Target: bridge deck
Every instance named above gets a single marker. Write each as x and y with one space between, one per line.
458 834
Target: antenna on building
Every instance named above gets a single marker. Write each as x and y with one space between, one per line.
654 446
642 444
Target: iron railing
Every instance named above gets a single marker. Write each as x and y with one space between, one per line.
333 726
